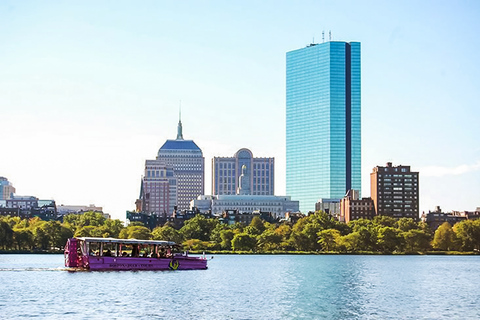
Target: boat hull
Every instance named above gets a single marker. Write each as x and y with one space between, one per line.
128 263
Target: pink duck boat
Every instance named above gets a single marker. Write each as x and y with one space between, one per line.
128 254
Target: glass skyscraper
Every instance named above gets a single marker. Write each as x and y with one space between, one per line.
323 122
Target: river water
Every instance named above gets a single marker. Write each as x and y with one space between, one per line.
248 287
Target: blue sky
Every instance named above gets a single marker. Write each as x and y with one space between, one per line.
90 90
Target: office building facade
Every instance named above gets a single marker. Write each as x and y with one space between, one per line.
159 189
395 191
323 122
354 208
188 164
7 190
276 205
226 172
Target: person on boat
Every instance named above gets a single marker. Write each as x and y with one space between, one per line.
107 253
162 253
124 254
135 251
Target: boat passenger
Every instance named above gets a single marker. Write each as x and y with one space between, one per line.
124 254
107 253
135 251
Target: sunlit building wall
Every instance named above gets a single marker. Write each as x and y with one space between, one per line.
188 164
323 122
227 170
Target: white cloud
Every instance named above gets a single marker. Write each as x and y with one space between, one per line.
438 171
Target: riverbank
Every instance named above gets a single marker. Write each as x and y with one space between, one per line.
336 253
225 252
31 251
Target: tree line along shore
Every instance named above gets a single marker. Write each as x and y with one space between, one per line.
316 233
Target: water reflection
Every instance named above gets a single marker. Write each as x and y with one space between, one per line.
249 287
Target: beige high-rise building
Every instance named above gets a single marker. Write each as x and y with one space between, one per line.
259 174
188 164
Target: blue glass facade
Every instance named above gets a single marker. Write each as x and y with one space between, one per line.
323 122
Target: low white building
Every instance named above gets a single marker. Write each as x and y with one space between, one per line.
68 209
277 205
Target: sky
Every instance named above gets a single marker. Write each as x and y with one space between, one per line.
89 90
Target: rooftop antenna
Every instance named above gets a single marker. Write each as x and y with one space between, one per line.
323 36
330 35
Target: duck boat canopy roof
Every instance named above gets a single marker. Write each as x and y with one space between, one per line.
127 241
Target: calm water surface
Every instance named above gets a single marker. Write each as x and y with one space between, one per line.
248 287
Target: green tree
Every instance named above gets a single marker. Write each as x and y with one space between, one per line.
445 238
136 224
328 239
406 224
72 221
23 238
23 224
90 231
388 239
258 224
243 242
253 231
468 233
197 245
41 240
416 240
367 233
64 234
6 235
56 233
167 233
136 232
215 233
352 242
91 218
198 227
385 221
226 237
304 235
269 240
285 231
113 227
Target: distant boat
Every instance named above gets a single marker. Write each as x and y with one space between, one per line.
89 253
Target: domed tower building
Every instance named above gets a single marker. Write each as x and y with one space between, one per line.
188 164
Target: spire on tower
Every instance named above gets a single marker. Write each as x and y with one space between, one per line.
179 129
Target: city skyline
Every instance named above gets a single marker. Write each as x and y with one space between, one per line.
88 95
